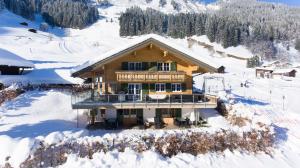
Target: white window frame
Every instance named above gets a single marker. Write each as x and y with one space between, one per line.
164 66
137 66
158 87
177 87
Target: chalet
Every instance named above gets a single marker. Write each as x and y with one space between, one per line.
11 64
284 72
264 72
147 81
271 64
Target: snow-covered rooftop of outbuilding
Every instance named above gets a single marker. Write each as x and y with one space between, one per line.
136 40
283 70
265 68
10 59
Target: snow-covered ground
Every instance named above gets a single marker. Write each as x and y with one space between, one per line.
47 115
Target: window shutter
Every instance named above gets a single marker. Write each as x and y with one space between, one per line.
183 87
124 87
178 113
153 66
124 65
173 66
152 87
168 87
145 88
144 66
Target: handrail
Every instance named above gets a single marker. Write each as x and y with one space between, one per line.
146 98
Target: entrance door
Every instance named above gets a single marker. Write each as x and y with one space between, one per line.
134 89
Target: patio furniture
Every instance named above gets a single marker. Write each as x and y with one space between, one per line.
111 123
122 98
181 121
158 122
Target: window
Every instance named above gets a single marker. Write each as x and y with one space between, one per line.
176 87
166 113
129 113
160 87
126 113
135 66
163 66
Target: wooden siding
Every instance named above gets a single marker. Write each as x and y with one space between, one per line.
146 54
109 72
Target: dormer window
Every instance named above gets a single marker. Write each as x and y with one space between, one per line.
162 66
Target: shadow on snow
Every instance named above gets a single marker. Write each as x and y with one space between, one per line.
39 129
249 101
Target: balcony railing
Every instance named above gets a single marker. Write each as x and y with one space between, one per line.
86 99
149 76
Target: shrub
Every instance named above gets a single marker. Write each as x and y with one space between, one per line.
167 145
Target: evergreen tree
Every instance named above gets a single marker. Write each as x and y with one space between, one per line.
63 13
162 3
297 44
1 4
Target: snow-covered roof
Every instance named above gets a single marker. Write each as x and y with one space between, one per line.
10 59
281 71
203 59
265 68
270 63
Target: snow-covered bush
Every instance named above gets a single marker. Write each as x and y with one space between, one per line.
44 27
162 3
176 6
253 141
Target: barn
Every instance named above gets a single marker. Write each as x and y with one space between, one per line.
12 64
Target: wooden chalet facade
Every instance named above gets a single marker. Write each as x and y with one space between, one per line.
149 79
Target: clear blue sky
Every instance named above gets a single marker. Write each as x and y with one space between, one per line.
289 2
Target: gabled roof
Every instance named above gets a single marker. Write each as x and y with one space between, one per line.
199 59
10 59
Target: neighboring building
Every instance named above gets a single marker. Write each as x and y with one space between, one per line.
11 64
271 64
264 72
273 73
284 72
221 69
149 80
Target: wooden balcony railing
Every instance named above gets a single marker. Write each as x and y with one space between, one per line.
149 76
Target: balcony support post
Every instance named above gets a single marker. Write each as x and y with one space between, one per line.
93 86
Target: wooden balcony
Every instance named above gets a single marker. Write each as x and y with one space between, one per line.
150 76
